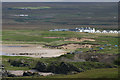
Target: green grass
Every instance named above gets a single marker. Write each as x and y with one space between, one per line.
95 73
9 67
33 61
35 36
30 60
28 36
91 68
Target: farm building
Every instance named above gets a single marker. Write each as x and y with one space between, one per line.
87 29
111 31
59 30
98 31
115 31
104 31
21 15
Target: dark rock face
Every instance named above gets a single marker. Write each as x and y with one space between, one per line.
27 73
58 68
18 63
4 73
7 74
62 68
11 75
40 66
52 67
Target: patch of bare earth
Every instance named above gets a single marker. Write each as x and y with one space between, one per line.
75 46
79 40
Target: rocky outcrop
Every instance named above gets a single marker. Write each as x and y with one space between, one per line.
28 73
57 68
18 63
40 66
62 68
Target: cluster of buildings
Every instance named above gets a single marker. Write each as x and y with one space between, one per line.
22 15
88 30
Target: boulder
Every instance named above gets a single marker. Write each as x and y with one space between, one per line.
62 68
40 66
28 73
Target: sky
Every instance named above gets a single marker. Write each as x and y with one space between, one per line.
60 0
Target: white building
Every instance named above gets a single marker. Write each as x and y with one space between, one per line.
22 15
111 31
104 31
115 31
87 29
98 31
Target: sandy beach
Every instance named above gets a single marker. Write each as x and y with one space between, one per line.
30 50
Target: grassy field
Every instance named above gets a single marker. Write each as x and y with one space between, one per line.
60 15
96 73
39 36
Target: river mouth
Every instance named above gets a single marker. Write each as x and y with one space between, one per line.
5 54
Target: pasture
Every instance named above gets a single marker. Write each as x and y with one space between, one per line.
36 36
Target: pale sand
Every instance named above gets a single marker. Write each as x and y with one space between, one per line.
31 50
